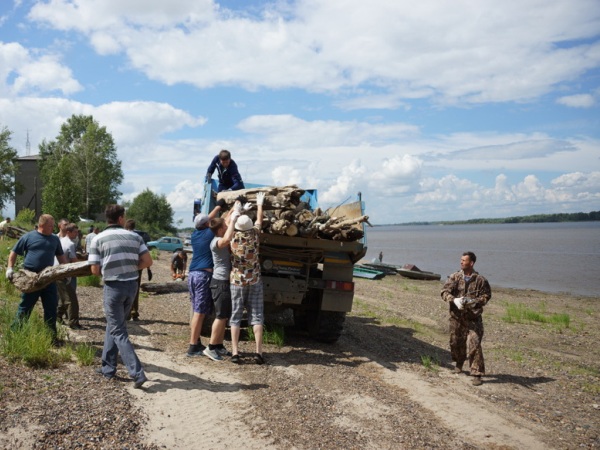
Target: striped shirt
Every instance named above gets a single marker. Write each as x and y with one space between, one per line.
118 251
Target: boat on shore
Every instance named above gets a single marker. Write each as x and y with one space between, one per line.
361 271
407 270
413 272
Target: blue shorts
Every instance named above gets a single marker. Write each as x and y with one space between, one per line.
200 296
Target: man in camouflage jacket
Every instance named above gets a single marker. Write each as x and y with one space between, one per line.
466 292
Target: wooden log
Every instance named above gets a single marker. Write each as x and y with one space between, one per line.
27 281
165 288
15 232
285 197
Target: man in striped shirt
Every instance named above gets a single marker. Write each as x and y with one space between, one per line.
118 254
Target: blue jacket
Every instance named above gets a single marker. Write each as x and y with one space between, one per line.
229 178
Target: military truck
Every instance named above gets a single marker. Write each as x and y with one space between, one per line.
307 282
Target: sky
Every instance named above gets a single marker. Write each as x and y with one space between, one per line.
432 110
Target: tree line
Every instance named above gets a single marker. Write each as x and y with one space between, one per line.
534 218
81 174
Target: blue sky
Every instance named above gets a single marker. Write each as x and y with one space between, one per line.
433 110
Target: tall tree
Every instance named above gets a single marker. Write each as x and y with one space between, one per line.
8 168
152 211
85 156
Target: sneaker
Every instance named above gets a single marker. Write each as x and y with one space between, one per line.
477 380
140 381
76 326
222 351
212 354
235 359
195 350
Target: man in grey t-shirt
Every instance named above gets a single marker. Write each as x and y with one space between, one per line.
219 286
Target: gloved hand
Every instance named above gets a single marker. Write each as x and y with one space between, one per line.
459 302
260 198
233 217
221 203
149 274
237 206
207 178
247 207
9 273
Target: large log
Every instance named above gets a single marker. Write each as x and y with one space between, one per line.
27 281
165 288
284 197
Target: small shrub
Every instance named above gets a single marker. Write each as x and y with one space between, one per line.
430 362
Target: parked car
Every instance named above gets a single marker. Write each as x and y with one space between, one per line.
166 243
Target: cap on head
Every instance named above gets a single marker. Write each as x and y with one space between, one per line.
244 223
200 221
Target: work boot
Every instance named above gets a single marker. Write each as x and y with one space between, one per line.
458 369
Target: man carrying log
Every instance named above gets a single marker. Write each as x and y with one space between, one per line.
68 306
118 255
39 247
229 176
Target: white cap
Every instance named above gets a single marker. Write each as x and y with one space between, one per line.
244 223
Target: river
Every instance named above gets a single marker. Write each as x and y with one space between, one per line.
549 257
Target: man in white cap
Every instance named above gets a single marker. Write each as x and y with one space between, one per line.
246 282
200 276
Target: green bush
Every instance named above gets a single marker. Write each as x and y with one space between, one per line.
85 354
25 219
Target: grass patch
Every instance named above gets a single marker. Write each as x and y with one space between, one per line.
154 253
90 280
430 362
28 342
520 313
272 334
85 354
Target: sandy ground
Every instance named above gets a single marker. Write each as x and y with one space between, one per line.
373 389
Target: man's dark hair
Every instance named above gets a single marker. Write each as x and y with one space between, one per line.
215 223
471 256
130 224
224 155
113 212
71 227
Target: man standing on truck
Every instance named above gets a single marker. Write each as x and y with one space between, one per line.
229 176
246 282
467 292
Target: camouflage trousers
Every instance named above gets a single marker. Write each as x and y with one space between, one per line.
465 342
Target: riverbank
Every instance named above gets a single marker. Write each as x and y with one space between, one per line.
387 383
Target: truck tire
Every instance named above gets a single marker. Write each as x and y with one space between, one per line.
326 326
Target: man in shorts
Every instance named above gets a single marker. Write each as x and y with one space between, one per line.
246 282
199 278
223 229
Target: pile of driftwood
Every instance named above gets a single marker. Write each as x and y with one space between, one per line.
285 213
14 232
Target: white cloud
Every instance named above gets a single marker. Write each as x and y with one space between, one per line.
577 101
25 72
381 53
346 185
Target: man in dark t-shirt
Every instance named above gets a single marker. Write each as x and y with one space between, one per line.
39 247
